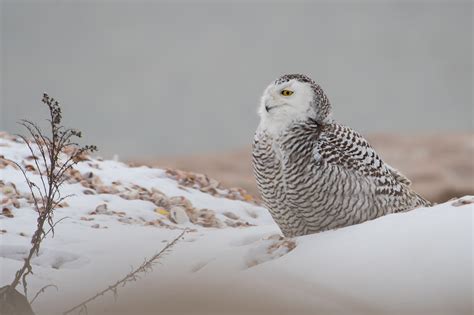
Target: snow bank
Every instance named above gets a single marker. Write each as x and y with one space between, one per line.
233 259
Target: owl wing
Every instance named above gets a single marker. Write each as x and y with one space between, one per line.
343 147
399 176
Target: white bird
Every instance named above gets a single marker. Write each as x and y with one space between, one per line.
314 174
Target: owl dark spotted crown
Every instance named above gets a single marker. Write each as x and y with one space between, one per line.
298 77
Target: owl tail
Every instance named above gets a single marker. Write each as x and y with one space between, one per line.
421 202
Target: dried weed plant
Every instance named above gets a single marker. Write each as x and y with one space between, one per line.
53 156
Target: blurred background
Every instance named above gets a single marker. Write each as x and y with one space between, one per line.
177 84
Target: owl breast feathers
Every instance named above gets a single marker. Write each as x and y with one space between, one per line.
314 174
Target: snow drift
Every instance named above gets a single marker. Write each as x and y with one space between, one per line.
232 260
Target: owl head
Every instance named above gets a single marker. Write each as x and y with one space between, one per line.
292 98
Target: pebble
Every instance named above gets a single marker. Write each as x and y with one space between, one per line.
101 209
160 200
7 212
178 215
181 201
231 215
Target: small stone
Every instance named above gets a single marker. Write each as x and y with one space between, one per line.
178 215
251 213
462 202
207 218
231 215
156 190
96 181
127 220
101 209
133 195
214 183
95 226
180 201
7 212
160 200
84 183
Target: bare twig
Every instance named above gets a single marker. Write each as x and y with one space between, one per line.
51 229
132 276
42 291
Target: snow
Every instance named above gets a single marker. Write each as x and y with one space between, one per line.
419 262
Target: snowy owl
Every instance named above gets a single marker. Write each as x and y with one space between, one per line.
314 174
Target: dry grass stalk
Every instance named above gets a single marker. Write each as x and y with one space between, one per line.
145 267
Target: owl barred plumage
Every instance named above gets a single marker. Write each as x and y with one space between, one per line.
314 174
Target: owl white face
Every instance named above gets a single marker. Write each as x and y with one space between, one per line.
283 104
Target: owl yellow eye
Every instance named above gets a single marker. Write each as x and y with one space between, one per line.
286 92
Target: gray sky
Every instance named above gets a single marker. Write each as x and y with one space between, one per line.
150 78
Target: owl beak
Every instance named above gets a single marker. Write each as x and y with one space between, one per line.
268 108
